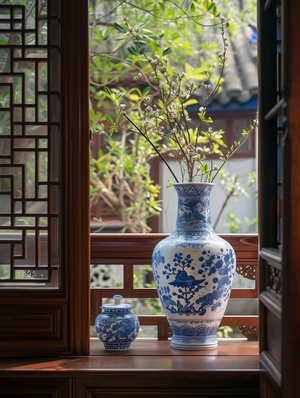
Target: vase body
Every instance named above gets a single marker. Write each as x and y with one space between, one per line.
116 326
193 270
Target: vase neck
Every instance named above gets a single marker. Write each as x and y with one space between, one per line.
193 211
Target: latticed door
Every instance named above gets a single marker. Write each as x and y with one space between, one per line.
30 133
43 195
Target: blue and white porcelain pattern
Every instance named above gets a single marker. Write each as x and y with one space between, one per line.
116 326
193 270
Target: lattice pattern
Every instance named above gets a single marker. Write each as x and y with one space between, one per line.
29 139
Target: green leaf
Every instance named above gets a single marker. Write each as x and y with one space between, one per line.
107 90
167 51
134 50
109 119
120 28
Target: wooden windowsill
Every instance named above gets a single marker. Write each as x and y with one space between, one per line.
146 355
155 347
149 368
153 354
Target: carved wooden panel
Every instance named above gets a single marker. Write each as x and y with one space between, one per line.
274 280
167 384
30 133
35 388
32 322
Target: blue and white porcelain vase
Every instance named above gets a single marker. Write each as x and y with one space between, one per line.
116 326
193 270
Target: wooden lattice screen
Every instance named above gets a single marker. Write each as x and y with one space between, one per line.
29 143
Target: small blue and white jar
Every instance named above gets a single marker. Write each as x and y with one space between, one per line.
116 326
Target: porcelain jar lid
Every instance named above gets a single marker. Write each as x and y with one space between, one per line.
117 305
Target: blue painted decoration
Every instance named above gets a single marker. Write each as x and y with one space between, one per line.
116 326
193 270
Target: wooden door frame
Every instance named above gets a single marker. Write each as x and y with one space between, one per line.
46 321
291 208
75 112
279 315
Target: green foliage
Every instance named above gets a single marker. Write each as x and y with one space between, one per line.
147 70
164 112
5 273
164 25
233 222
224 332
236 225
120 176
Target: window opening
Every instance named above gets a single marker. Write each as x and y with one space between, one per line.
119 176
233 113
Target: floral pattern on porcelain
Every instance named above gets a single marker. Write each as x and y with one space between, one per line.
193 270
190 277
116 326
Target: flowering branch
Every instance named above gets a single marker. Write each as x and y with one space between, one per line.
153 146
160 113
236 146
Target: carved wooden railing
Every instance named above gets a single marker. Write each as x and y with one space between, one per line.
136 249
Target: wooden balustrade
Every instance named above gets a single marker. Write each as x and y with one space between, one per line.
129 250
136 249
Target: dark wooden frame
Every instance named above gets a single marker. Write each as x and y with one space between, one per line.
279 215
270 306
33 377
56 322
291 207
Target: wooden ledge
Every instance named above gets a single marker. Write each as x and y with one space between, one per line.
146 355
149 368
232 354
154 347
